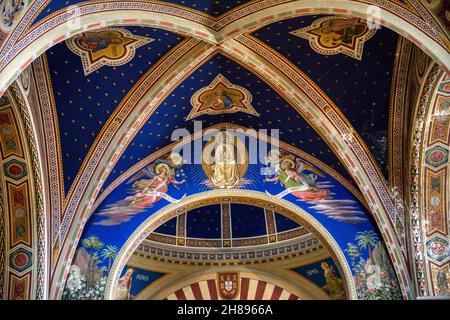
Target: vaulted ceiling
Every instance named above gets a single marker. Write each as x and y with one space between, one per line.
88 93
360 88
328 82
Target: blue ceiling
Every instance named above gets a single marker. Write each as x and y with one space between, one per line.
204 223
84 103
275 113
361 89
246 221
211 7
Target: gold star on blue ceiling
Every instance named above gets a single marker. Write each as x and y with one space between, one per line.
84 103
275 113
361 89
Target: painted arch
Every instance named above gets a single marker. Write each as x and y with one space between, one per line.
331 212
359 164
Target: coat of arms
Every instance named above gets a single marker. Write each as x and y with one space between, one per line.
228 283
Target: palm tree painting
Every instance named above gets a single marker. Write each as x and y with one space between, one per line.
367 239
92 244
88 276
353 251
110 253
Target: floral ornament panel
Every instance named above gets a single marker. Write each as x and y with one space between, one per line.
333 35
221 97
441 280
108 47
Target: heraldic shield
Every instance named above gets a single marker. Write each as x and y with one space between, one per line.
228 283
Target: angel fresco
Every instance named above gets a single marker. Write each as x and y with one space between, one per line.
11 10
291 172
149 186
97 42
160 176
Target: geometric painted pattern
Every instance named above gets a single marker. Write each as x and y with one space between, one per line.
20 260
15 169
337 34
438 248
444 87
107 47
436 156
17 237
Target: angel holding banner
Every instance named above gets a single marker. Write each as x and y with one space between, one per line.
150 185
290 171
160 175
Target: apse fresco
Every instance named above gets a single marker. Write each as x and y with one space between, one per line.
11 11
372 271
133 281
232 286
272 112
281 174
335 34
